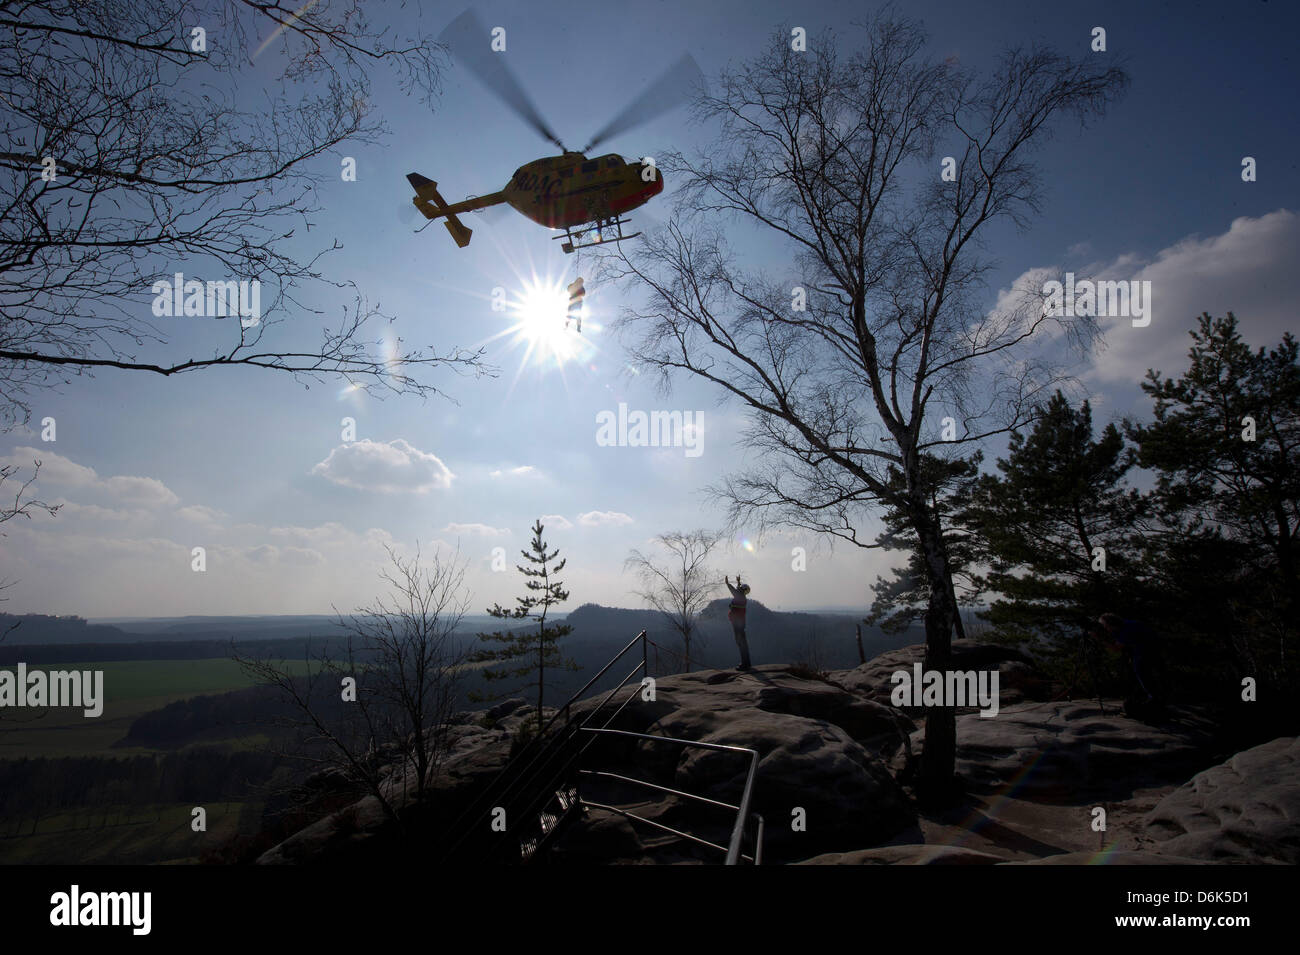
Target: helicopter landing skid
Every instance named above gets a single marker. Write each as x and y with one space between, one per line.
600 227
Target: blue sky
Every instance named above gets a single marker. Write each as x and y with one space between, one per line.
251 465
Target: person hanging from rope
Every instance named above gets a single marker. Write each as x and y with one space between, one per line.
736 617
577 292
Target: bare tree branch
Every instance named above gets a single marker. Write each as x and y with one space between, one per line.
129 153
404 655
680 587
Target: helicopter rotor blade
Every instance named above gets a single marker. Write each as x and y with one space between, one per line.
673 87
468 40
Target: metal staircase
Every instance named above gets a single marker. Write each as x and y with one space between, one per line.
525 810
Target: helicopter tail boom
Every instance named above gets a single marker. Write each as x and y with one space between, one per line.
433 206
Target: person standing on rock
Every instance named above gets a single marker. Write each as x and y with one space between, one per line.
736 617
1141 647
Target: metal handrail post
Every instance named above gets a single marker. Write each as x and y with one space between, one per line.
738 832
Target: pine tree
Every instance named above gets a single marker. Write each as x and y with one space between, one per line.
523 652
1225 445
1060 529
903 597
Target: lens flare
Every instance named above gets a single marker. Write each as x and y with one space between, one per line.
537 313
540 312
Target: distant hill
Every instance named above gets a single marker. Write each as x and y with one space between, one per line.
40 638
824 641
257 627
40 628
774 636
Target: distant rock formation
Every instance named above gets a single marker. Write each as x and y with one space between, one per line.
39 628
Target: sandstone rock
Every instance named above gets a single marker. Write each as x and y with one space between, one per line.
822 748
1018 681
1064 750
330 839
473 755
1245 810
816 745
907 855
327 780
504 708
1121 857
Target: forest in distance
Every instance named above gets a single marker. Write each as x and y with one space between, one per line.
186 726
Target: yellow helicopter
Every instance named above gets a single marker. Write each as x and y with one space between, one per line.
581 195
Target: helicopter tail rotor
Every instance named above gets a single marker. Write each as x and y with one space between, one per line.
433 206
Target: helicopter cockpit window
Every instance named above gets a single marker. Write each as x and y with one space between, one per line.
613 162
590 166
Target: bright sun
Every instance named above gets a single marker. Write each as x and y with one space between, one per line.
539 313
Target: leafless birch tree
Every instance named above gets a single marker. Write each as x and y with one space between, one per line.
850 356
678 585
139 140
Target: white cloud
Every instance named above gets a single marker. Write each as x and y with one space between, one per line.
62 568
604 519
58 470
330 536
1246 270
55 468
556 522
390 467
92 511
297 556
146 492
481 530
522 470
201 514
330 531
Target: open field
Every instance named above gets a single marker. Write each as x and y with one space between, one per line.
131 689
147 834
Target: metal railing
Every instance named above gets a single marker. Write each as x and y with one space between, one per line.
743 815
524 784
529 779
